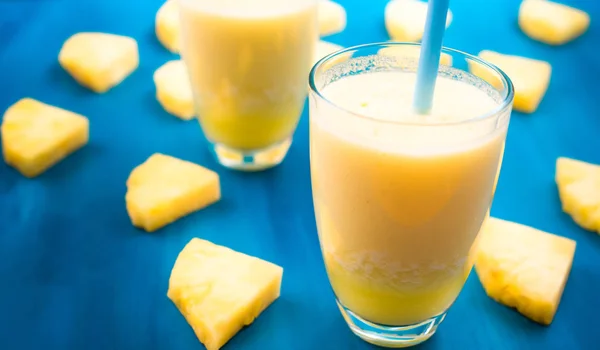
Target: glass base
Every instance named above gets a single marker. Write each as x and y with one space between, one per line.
391 336
251 160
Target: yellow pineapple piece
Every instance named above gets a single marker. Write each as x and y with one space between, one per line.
332 17
219 291
411 52
173 89
164 189
522 267
35 136
570 170
530 77
581 200
579 190
551 22
405 19
167 26
99 61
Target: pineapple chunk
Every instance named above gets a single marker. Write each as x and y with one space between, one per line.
579 190
167 26
164 189
530 77
405 19
99 61
332 17
581 200
219 291
35 136
524 268
552 23
173 89
571 170
411 52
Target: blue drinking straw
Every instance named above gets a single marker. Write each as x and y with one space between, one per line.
429 61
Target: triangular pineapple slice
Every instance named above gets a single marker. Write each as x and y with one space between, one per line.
99 61
530 77
551 22
173 89
167 26
522 267
570 170
35 136
219 290
164 189
332 17
579 189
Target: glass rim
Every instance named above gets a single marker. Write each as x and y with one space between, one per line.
495 111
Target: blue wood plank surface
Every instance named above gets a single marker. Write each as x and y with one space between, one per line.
75 274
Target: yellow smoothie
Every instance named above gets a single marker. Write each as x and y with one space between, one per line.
398 207
248 63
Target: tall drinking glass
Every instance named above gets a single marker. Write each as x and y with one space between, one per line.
248 61
399 197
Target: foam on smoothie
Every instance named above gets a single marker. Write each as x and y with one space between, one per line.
384 117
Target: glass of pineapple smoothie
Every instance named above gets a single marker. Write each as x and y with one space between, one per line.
248 62
400 197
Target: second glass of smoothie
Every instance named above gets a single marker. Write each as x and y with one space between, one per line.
248 62
400 197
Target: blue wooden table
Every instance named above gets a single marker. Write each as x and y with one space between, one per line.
75 274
